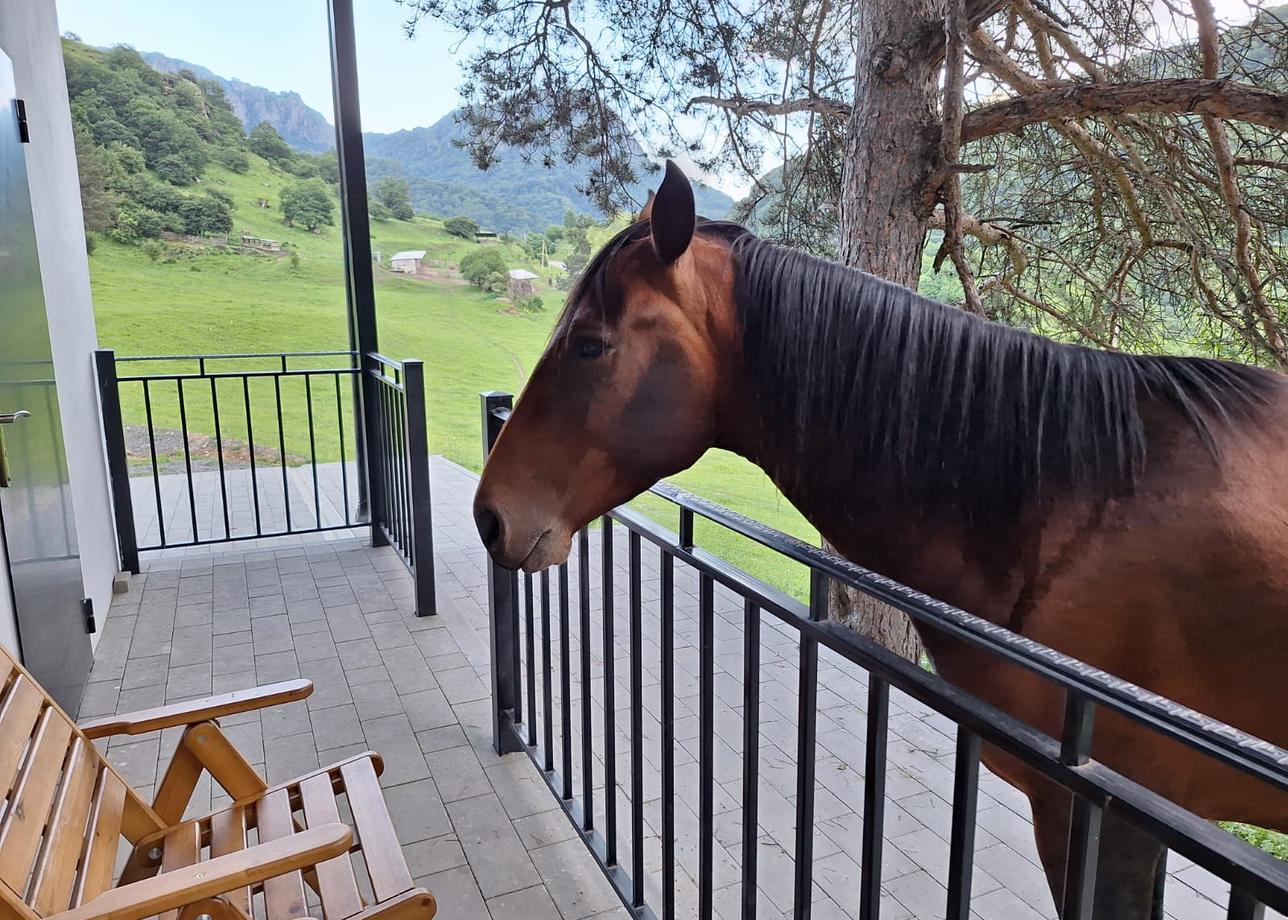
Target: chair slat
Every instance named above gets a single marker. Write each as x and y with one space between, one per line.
18 715
55 875
228 835
283 895
99 857
33 795
385 864
339 888
181 849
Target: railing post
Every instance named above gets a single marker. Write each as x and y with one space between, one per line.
422 522
109 396
371 459
503 610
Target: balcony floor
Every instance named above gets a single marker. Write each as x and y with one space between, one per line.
483 832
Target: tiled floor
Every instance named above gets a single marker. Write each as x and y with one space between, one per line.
483 832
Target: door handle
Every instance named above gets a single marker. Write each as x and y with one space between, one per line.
8 418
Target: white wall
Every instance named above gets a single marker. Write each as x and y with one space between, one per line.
29 35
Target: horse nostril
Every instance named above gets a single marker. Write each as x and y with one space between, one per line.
489 525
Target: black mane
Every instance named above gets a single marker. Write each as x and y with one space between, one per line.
948 414
951 414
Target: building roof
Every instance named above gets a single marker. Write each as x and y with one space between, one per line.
522 274
409 254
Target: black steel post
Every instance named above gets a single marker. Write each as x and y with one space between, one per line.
422 514
109 396
359 289
503 612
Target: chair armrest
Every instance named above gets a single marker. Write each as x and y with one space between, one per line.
192 711
179 887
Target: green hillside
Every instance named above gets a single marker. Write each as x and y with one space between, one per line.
203 299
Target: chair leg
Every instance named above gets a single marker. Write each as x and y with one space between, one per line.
214 908
225 764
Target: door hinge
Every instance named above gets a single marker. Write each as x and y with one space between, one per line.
87 609
24 134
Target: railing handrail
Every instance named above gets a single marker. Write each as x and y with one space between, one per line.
1236 748
257 354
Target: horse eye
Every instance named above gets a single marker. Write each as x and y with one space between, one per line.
591 348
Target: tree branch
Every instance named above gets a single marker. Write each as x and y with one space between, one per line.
1220 98
742 106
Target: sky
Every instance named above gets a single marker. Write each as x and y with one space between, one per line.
282 45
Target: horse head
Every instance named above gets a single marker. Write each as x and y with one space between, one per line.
624 394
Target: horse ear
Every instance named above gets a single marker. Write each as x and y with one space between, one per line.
672 215
647 211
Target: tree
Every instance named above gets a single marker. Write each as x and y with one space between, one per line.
394 193
484 268
308 202
461 226
554 233
97 203
1098 174
266 142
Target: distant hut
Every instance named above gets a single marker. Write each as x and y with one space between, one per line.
407 262
263 245
486 236
521 283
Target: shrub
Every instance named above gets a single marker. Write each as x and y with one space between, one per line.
233 158
153 249
265 141
531 304
462 227
308 202
90 242
484 268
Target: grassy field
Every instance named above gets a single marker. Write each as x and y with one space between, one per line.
209 301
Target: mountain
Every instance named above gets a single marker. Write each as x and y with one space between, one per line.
302 127
516 195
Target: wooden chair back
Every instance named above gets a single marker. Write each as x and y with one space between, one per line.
63 808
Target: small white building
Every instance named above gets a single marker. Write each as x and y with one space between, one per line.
407 262
521 282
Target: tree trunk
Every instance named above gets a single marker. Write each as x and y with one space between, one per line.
885 208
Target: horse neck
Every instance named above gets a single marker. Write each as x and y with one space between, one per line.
855 517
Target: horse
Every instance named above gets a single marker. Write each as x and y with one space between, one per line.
1130 511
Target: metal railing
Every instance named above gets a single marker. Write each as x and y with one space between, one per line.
524 721
401 509
223 448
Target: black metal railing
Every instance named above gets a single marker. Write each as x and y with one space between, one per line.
401 506
229 447
524 721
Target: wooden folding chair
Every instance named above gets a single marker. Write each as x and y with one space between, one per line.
277 852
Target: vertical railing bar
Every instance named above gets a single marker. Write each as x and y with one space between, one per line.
219 453
668 735
1083 850
250 440
344 473
750 756
637 720
281 449
400 458
565 685
390 497
531 649
313 452
587 748
156 472
706 742
610 694
874 781
961 853
547 696
806 720
1244 906
187 459
686 528
395 466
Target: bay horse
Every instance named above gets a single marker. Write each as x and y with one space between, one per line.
1129 511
